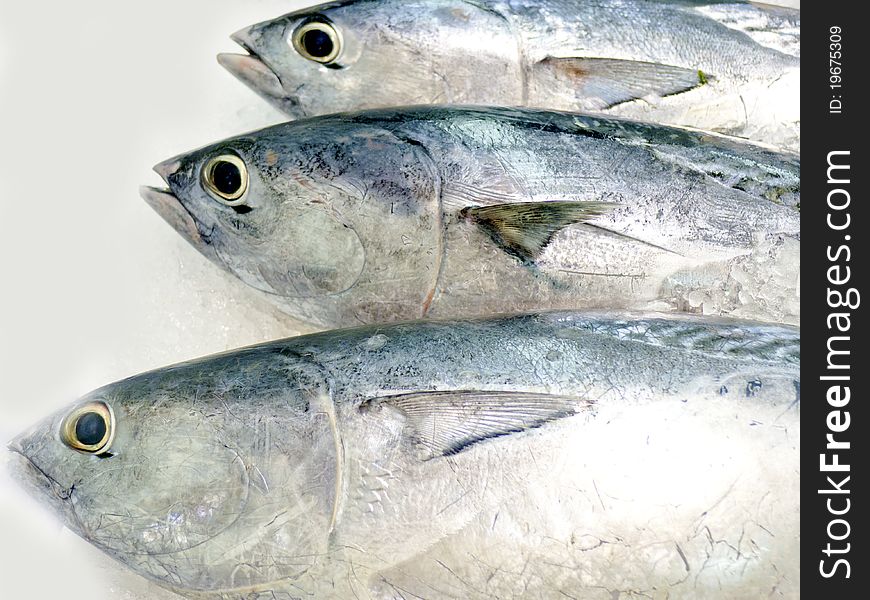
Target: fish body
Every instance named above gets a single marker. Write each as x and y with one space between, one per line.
732 67
515 457
445 212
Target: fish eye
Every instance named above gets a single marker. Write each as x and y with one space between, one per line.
225 178
317 41
89 428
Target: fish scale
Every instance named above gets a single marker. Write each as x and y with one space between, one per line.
699 64
573 450
464 211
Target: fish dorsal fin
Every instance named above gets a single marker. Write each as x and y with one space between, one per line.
604 82
446 423
525 228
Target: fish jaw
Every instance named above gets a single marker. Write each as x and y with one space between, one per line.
170 208
253 71
38 484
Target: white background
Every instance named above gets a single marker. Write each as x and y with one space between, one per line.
95 287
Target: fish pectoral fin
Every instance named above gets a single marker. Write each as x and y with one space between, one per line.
633 240
524 229
605 82
446 423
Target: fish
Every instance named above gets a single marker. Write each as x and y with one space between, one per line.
731 67
536 455
444 212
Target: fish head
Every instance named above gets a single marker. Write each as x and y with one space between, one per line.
368 54
199 477
324 212
243 205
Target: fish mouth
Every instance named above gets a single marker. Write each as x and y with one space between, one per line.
171 210
252 70
39 484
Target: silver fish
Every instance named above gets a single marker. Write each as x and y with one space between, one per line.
732 67
451 212
516 457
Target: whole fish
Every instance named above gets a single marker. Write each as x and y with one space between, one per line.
535 456
451 212
732 67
